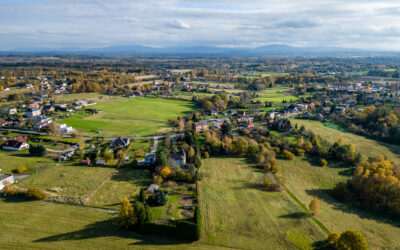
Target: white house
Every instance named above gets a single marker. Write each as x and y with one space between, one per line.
32 112
15 145
6 179
11 111
65 129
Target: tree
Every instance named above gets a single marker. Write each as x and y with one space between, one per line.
314 206
142 196
126 216
141 213
240 146
226 128
191 154
352 240
165 172
119 154
37 150
323 162
288 155
159 198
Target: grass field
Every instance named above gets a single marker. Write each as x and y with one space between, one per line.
126 182
69 180
13 160
135 116
40 225
81 96
365 146
275 95
236 214
306 181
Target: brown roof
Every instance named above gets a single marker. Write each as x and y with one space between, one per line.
13 144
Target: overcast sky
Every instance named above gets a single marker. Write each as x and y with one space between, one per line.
227 23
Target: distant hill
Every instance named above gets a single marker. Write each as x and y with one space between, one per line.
269 50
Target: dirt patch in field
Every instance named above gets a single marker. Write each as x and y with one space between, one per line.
186 199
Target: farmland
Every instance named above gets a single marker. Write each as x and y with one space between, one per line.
275 95
70 227
233 208
13 160
138 116
306 181
367 147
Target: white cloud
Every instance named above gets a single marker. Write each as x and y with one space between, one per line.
94 23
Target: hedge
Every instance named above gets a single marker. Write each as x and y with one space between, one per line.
180 229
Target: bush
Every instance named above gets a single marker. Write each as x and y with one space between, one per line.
322 162
159 198
9 189
341 192
19 170
36 194
299 151
142 196
333 238
352 240
287 155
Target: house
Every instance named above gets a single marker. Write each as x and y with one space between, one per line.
246 119
200 126
119 142
32 112
241 112
320 117
81 103
152 188
66 156
217 123
15 145
61 107
10 111
150 158
179 157
308 115
48 108
34 105
301 106
100 162
214 112
85 162
65 129
6 179
3 122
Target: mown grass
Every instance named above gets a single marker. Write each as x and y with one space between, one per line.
40 225
69 179
367 147
135 116
237 214
307 180
12 160
275 95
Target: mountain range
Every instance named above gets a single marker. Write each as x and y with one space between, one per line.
269 50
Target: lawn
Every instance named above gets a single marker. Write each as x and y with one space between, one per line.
135 116
15 159
365 146
307 180
80 96
69 180
40 225
236 214
275 95
125 183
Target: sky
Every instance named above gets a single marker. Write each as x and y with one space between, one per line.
222 23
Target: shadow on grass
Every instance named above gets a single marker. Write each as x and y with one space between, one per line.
137 176
347 170
350 208
109 228
295 215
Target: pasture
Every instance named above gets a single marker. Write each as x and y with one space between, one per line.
306 180
12 160
68 179
275 95
367 147
138 116
237 214
42 225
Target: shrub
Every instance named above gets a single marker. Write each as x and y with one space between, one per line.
323 162
126 216
142 196
9 189
141 213
36 194
157 180
299 151
271 183
206 155
20 170
333 238
352 240
287 155
197 217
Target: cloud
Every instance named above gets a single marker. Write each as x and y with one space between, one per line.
178 24
95 23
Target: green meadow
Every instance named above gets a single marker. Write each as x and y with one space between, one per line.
138 116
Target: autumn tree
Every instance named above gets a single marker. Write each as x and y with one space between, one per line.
126 216
314 206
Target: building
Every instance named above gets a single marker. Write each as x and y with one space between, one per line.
6 179
15 145
65 129
119 142
246 119
32 112
179 157
34 105
200 125
11 111
3 122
